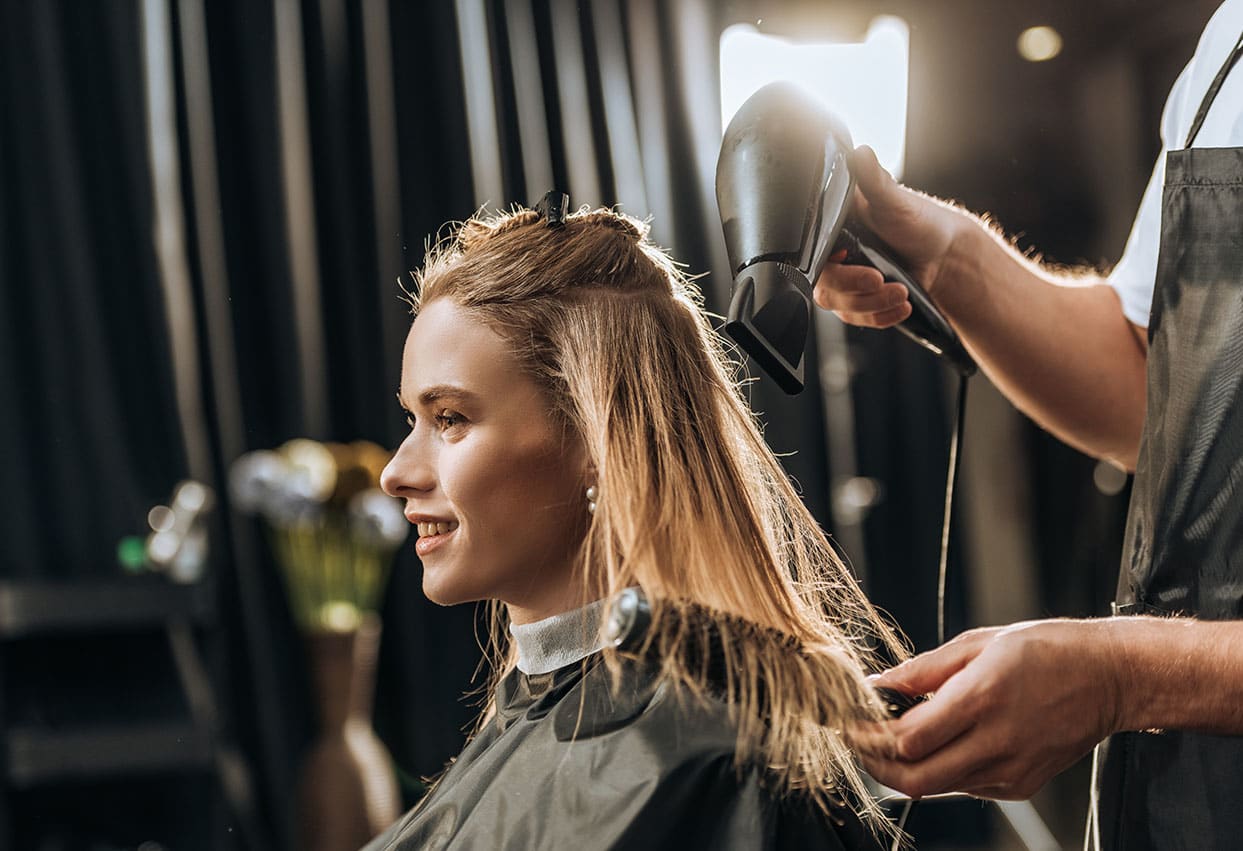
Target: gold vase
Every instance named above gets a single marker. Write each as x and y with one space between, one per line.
347 793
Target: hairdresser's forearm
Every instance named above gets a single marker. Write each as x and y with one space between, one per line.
1060 349
1180 674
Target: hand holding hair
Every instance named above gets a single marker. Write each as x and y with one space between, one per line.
1011 707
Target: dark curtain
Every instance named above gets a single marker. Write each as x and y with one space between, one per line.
88 399
183 286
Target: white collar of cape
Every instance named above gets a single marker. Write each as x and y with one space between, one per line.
563 639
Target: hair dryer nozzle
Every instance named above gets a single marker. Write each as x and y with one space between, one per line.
769 316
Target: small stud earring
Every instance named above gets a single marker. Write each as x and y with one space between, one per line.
592 494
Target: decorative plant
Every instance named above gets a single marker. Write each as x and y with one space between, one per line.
332 529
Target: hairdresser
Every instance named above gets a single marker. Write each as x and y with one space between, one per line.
1143 368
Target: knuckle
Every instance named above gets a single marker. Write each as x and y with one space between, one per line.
907 747
842 302
869 305
868 281
966 637
983 699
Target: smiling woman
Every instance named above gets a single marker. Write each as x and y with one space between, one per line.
576 436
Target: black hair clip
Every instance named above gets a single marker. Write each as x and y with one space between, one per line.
554 207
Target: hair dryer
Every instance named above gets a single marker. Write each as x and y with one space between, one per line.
784 189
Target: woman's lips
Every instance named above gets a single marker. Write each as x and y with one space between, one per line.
426 543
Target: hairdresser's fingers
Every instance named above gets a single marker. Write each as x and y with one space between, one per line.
958 700
875 184
1012 774
844 287
1005 780
838 277
862 208
980 758
888 208
885 297
925 728
883 319
945 771
859 295
879 199
927 671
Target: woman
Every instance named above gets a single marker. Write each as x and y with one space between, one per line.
575 433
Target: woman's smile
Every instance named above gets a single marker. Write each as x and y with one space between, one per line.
431 537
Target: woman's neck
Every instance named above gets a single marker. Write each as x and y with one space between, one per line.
568 595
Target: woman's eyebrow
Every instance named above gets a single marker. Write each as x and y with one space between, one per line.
437 392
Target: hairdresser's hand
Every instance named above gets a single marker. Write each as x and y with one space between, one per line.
921 229
1011 707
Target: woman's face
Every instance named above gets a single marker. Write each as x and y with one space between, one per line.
487 464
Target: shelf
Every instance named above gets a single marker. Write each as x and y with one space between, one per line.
32 608
37 756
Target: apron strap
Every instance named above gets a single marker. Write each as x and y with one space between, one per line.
1211 94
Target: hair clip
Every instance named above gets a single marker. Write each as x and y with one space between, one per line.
554 207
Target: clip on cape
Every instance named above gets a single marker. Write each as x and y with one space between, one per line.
554 207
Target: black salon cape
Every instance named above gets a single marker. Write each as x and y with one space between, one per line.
632 768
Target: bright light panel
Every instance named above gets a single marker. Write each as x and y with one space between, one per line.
864 83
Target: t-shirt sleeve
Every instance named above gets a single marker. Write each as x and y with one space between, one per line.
1134 278
1136 273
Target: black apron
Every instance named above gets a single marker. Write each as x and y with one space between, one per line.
1183 551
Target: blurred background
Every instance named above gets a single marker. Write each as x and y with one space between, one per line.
205 210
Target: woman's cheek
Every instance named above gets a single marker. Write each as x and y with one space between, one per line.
471 478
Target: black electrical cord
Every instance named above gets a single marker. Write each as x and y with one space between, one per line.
951 479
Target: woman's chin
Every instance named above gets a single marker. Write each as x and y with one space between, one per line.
446 593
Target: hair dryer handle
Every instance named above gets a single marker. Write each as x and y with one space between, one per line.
926 325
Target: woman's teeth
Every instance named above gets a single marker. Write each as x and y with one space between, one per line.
426 529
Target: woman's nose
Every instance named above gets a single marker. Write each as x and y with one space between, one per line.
407 472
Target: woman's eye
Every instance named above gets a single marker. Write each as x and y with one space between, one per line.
448 419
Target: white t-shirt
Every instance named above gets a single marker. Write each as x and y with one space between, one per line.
1134 276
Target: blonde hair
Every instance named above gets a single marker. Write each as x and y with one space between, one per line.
693 507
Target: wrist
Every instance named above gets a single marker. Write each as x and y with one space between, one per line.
967 242
1178 673
1118 668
